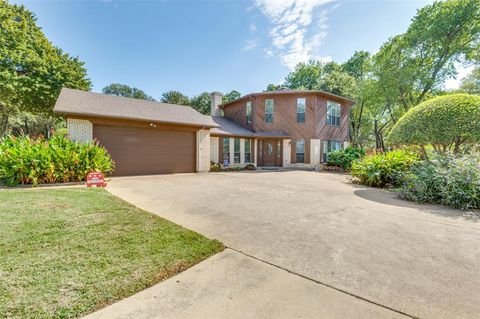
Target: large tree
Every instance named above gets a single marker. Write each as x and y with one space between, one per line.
471 83
201 103
175 97
126 91
230 96
32 70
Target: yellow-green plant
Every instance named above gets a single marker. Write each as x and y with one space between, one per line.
25 160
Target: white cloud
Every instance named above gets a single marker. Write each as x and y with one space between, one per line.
294 37
462 71
252 27
250 45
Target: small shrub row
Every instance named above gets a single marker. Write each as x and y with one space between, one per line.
384 169
217 167
25 160
447 180
345 157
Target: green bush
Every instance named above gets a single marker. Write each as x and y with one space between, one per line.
215 167
345 157
384 169
447 180
448 123
24 160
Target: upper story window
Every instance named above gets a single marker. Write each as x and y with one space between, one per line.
300 151
236 150
301 107
248 112
248 143
269 109
333 113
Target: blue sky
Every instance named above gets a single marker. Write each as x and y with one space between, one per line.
195 46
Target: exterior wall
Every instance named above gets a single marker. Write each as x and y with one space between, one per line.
80 130
214 149
203 150
242 163
237 113
315 151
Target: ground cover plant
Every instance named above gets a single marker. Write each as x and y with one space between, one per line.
25 160
68 252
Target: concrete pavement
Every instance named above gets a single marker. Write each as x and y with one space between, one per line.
419 260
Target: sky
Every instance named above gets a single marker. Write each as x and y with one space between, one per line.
196 46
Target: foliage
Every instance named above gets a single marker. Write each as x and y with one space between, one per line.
448 123
471 83
447 180
69 252
201 103
126 91
215 167
345 157
384 169
175 97
250 167
32 70
230 96
24 160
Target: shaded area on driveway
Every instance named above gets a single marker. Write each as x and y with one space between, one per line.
420 260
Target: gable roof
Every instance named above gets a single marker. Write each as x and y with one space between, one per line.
228 127
290 91
77 102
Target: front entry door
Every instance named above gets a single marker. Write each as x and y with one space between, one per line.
269 153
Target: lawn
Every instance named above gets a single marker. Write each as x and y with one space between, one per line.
68 252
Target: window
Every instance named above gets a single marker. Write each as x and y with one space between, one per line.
301 106
300 151
248 112
333 113
236 150
247 150
226 151
330 146
269 108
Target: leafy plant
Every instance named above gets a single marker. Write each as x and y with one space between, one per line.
24 160
215 167
447 180
448 123
384 169
345 157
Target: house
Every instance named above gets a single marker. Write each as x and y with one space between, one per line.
284 128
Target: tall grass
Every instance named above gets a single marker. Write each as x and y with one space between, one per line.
25 160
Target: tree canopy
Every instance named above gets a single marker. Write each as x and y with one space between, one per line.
471 83
32 70
230 96
201 103
448 123
126 91
175 97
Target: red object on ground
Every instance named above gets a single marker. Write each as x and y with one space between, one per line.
96 179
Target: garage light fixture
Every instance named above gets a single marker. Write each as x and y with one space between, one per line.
153 125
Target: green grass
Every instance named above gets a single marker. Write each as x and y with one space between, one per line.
67 252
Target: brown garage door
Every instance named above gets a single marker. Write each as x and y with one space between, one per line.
140 151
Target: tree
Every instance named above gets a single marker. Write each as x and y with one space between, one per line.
126 91
201 103
471 83
232 95
448 123
272 87
175 97
305 76
32 70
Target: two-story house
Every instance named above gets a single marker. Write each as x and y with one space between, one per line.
283 128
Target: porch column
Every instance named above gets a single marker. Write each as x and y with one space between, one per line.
314 152
242 151
255 152
287 152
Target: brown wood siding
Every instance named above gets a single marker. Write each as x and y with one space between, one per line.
237 113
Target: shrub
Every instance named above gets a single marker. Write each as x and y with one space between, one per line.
345 157
384 169
215 167
250 167
448 122
24 160
447 180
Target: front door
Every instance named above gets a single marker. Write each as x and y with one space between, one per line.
269 153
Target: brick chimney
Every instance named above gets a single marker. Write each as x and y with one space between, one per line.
216 101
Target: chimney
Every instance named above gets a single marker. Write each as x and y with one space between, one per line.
216 101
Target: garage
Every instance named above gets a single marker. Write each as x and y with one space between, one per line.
143 151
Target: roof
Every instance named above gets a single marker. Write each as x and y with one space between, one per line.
228 127
271 134
76 102
290 91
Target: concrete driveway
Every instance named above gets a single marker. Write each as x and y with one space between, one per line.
338 247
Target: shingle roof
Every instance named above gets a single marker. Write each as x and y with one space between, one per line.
76 102
228 127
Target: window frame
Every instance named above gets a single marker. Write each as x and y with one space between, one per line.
297 153
334 113
304 110
269 115
236 154
226 155
248 142
248 112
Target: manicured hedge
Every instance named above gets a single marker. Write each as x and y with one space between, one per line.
24 160
446 122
